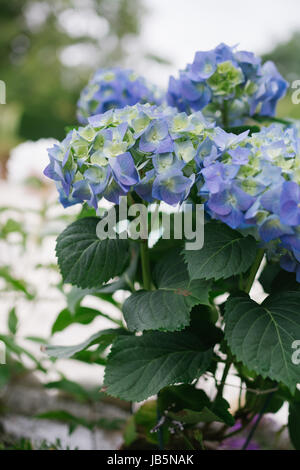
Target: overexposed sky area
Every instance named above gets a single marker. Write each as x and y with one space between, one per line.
175 29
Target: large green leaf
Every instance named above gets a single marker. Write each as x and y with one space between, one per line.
156 310
140 366
225 253
171 274
84 259
104 336
168 307
261 336
76 294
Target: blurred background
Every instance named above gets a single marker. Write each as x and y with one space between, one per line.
48 51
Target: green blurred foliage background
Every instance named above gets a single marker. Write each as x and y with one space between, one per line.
42 87
49 49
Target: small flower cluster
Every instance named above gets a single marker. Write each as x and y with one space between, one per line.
227 85
255 181
149 149
115 88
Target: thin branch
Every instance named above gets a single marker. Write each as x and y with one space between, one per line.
253 429
250 390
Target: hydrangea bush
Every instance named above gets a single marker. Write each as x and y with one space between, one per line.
178 327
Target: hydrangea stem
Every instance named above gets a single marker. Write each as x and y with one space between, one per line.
145 265
255 267
258 420
160 429
225 114
223 379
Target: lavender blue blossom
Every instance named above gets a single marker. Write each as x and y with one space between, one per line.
255 182
227 85
147 149
159 154
115 88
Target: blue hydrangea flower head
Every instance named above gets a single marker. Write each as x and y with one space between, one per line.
254 181
115 88
227 81
151 150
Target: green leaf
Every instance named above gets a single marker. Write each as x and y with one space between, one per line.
203 326
219 414
12 226
92 357
74 421
271 119
198 436
140 366
261 336
178 397
267 276
5 375
74 389
105 337
293 424
225 253
13 347
189 405
167 308
37 339
84 259
275 279
172 274
157 310
86 211
65 417
163 246
130 434
12 321
76 294
14 283
83 315
65 318
220 409
257 401
239 129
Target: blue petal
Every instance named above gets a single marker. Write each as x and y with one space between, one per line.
272 228
114 191
124 170
144 187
